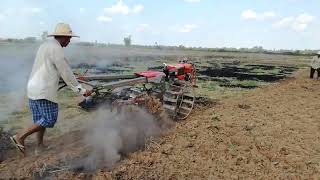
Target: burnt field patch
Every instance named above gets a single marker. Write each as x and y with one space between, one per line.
109 68
243 75
237 75
226 74
267 73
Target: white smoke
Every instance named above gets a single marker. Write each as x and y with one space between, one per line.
15 67
113 134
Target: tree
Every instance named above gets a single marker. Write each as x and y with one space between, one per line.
156 45
181 46
44 35
30 39
127 41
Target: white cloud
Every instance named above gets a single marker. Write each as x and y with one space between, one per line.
299 23
82 10
268 15
305 18
155 32
9 11
249 14
143 27
22 11
252 15
187 28
137 8
299 27
27 11
34 10
146 28
2 17
192 1
121 8
104 19
284 22
293 0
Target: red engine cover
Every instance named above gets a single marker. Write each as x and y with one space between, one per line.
188 68
149 74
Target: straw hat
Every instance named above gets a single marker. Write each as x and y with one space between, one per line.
62 29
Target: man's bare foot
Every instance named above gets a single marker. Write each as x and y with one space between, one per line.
19 140
18 145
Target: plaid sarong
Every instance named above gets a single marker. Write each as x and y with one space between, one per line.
44 112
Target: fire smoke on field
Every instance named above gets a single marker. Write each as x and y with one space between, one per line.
15 66
113 134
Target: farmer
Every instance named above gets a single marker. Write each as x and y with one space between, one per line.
315 65
50 64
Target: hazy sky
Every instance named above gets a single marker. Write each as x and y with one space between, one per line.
290 24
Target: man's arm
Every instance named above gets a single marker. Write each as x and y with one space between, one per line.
66 73
313 61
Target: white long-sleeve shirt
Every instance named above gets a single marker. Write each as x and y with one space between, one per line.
49 65
315 62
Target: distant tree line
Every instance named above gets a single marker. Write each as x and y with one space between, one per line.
24 40
128 44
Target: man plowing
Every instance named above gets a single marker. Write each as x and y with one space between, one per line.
50 64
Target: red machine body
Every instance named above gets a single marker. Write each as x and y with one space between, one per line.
182 71
173 88
149 74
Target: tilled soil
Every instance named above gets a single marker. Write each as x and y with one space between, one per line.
267 133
